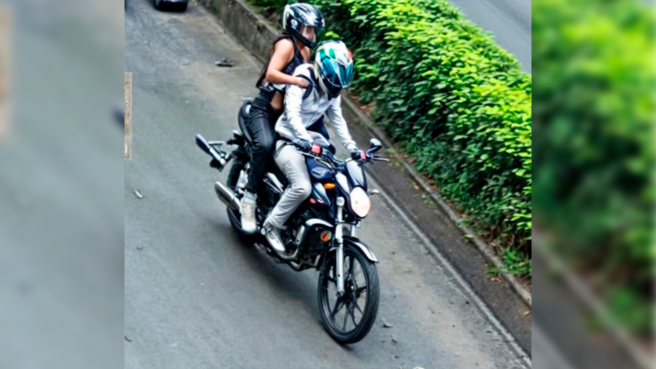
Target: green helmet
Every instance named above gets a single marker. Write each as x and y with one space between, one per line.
334 66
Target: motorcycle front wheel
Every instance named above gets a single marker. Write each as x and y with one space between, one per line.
349 318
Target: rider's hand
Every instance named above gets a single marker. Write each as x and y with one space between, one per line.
302 82
303 145
358 154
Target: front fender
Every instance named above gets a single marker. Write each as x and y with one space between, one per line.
355 242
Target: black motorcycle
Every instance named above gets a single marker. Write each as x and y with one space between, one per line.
321 234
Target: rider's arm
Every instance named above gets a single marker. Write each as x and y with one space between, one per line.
283 52
293 102
334 113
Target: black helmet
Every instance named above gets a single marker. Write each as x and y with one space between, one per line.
298 17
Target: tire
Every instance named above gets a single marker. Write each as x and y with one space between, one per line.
368 315
181 7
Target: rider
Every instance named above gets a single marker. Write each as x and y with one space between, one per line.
290 49
332 71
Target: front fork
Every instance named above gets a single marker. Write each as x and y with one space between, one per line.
339 239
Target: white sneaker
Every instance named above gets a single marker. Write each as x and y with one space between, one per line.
272 235
248 204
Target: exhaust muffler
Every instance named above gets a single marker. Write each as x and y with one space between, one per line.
226 195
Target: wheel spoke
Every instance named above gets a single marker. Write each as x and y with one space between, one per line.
357 306
336 308
352 312
346 314
351 267
359 291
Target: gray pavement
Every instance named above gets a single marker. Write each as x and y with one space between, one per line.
509 21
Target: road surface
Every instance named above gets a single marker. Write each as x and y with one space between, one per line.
509 21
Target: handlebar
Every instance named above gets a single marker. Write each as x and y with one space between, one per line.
327 156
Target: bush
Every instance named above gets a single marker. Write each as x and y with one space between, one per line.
456 101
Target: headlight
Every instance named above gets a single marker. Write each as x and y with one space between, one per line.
360 203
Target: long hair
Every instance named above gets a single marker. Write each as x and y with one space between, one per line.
282 36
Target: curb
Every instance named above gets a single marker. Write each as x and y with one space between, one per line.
592 303
240 18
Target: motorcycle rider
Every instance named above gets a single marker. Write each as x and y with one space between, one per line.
292 48
304 107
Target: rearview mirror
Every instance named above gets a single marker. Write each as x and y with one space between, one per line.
374 145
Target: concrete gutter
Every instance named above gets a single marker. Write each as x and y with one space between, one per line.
241 20
591 301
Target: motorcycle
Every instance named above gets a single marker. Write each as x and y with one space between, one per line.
321 234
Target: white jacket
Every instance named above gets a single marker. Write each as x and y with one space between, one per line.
302 113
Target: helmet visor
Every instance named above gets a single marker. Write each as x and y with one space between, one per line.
308 32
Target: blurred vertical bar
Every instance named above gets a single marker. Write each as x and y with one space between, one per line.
594 123
5 70
61 186
128 116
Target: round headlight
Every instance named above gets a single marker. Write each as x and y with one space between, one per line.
360 203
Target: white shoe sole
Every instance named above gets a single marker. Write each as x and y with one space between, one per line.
249 230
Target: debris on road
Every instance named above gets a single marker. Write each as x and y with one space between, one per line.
138 194
394 341
128 339
386 324
140 247
225 62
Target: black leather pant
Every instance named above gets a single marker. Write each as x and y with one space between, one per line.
260 123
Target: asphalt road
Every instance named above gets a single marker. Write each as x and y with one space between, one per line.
509 21
198 297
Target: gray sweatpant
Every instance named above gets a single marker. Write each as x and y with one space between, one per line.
292 164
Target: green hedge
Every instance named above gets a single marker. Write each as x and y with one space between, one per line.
456 102
594 122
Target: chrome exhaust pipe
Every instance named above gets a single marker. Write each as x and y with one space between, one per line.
287 257
226 195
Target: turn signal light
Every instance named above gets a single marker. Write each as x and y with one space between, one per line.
329 186
326 236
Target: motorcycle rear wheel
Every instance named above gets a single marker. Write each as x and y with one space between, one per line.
233 214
